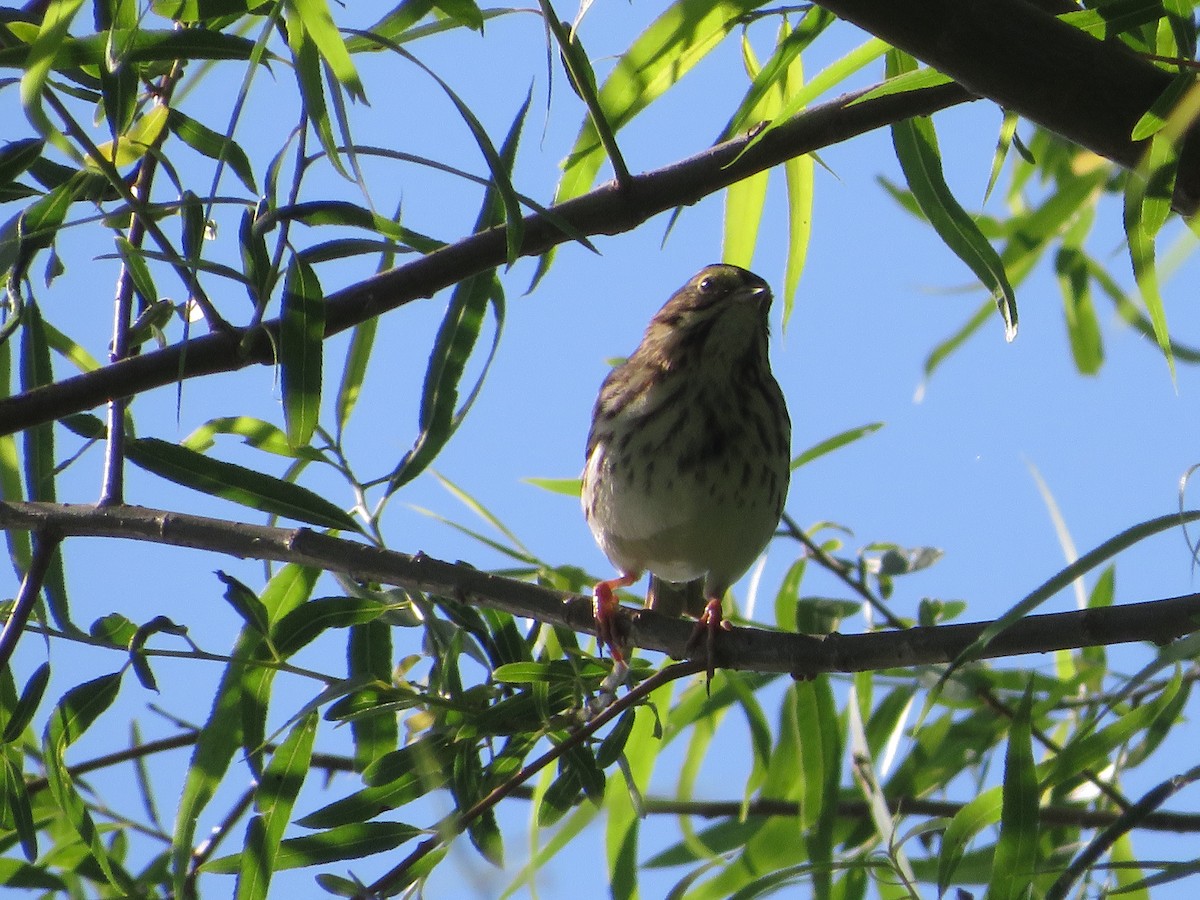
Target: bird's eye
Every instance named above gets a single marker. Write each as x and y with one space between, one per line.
707 284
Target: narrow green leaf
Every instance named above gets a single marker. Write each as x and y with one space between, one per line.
568 487
1148 193
370 655
977 814
215 146
38 63
465 12
943 350
276 796
316 20
836 442
17 156
139 272
219 739
38 225
915 79
1083 326
254 432
288 590
917 150
1066 576
245 603
16 812
39 439
31 697
358 356
624 816
301 345
1118 17
306 61
39 459
457 335
75 713
19 543
235 483
143 45
662 54
1156 117
354 841
304 624
1008 129
1016 861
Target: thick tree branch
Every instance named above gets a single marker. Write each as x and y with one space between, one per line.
752 649
606 210
1089 91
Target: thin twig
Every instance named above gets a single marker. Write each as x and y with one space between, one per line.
45 543
112 488
458 824
1125 823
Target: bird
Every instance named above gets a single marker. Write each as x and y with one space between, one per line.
688 455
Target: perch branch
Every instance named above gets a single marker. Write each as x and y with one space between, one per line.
752 649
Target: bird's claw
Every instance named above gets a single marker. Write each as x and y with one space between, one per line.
711 621
604 606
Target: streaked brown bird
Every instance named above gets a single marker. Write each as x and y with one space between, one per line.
689 451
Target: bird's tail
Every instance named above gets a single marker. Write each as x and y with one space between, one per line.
673 599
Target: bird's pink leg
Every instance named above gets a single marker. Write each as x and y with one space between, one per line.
604 604
711 621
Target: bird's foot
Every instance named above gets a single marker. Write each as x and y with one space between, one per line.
711 621
605 606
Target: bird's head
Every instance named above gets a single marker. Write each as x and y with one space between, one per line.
720 313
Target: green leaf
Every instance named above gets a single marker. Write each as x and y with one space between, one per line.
39 439
142 45
568 487
37 63
306 61
31 697
915 79
17 156
235 483
16 812
301 343
1016 850
369 655
213 145
139 272
219 739
137 659
1148 193
456 340
304 624
315 19
276 796
977 814
1066 576
75 714
254 432
246 604
354 841
745 199
917 149
836 442
358 356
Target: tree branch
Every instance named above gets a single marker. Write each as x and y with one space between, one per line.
1089 91
605 210
751 649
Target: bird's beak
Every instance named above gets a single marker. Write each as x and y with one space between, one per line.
759 292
